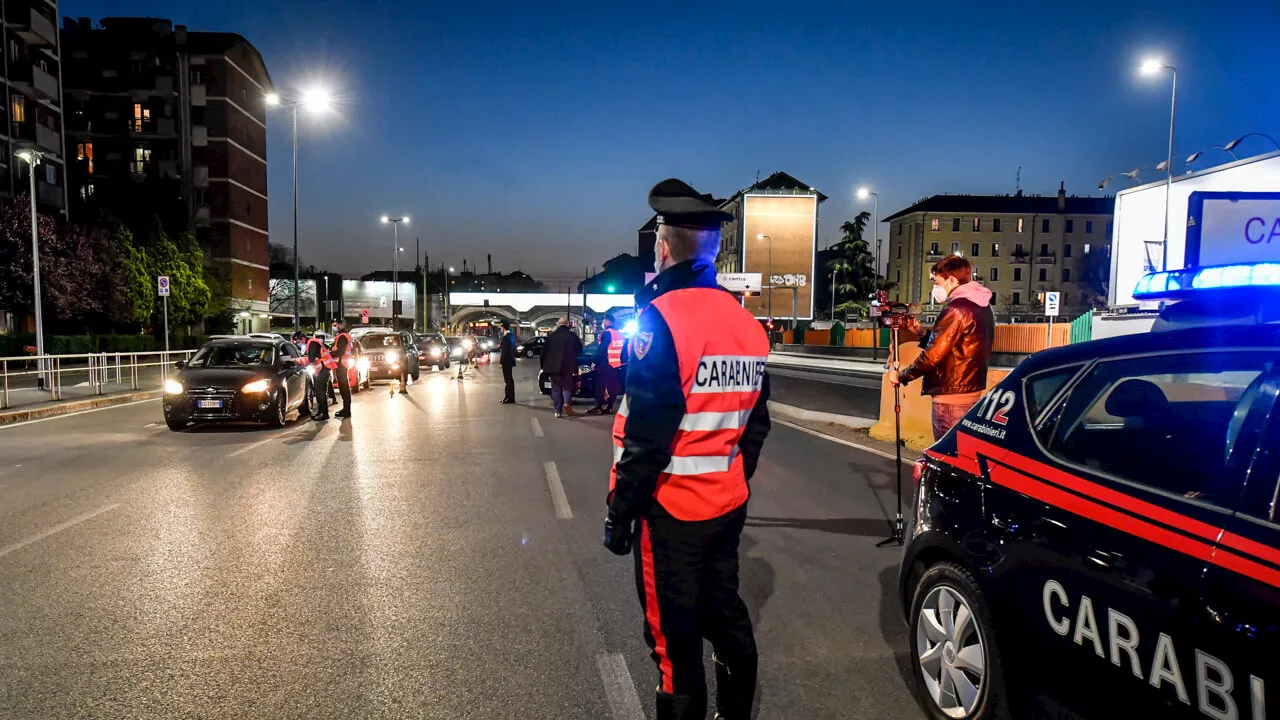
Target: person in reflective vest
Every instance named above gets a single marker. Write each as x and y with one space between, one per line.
610 347
343 356
322 364
687 438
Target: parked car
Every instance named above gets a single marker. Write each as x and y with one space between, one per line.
584 379
239 380
389 352
433 350
531 347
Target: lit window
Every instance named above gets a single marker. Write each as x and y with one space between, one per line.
995 249
19 111
84 151
1020 224
955 248
141 156
141 117
977 224
995 225
1086 248
933 224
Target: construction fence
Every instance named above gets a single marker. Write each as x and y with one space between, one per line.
1020 338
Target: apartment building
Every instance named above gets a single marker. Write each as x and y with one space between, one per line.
33 99
1021 246
174 119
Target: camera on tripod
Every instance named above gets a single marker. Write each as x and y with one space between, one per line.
893 315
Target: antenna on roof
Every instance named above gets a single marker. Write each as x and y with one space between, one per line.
757 177
1018 182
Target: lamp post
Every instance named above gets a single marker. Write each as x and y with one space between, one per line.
770 271
1152 66
32 158
1229 147
395 265
317 100
862 195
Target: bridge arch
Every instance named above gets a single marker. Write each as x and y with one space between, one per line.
468 314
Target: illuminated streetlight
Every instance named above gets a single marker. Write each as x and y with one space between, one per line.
762 236
317 100
395 265
272 99
32 158
1150 67
862 195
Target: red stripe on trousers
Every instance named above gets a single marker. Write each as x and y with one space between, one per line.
651 614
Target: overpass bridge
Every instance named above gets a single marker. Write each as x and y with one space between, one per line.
531 309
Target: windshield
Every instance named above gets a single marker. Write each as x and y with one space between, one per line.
234 355
380 341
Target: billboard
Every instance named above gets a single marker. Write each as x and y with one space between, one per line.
1139 219
785 257
375 296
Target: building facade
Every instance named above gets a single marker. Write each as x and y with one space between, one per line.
33 99
1021 246
175 120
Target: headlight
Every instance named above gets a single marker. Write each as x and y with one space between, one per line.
457 352
311 370
392 356
519 348
468 343
256 386
363 364
172 387
435 352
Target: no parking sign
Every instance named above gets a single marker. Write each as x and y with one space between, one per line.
162 285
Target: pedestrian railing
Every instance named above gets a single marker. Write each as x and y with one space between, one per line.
104 372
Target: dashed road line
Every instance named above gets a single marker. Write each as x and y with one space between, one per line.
56 529
537 427
563 512
619 687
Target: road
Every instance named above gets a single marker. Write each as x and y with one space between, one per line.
417 561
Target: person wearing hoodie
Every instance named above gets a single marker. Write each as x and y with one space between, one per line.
955 353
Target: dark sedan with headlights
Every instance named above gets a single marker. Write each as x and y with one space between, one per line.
584 380
433 350
239 380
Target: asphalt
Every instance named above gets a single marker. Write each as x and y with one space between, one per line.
412 562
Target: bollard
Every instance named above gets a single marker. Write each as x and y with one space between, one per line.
4 370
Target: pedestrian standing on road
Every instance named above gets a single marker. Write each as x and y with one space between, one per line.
342 352
687 438
321 361
610 351
955 353
507 359
560 361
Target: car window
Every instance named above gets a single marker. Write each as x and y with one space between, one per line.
1163 421
378 341
290 350
236 355
1040 388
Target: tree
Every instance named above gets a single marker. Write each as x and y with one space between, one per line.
855 269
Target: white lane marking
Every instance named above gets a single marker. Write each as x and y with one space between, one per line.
557 492
73 414
537 427
619 687
56 529
834 439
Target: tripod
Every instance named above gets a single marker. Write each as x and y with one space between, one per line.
899 530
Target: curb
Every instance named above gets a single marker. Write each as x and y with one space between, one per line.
73 406
799 413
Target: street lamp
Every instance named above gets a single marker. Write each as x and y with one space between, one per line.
1232 145
32 158
317 101
770 270
395 265
862 195
1150 67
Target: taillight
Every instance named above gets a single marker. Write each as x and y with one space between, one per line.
917 471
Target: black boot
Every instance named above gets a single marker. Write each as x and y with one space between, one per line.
735 688
681 707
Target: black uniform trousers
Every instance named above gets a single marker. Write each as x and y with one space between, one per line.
509 383
322 387
344 388
687 578
608 386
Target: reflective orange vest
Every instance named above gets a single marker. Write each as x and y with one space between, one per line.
345 359
326 358
616 342
722 352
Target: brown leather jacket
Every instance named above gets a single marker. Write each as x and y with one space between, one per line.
956 353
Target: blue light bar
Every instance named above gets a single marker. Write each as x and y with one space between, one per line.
1181 283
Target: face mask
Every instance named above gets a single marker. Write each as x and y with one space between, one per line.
939 294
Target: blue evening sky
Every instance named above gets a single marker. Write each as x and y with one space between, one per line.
533 131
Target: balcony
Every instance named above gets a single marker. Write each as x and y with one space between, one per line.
1047 259
48 139
933 256
50 195
34 28
1021 259
45 83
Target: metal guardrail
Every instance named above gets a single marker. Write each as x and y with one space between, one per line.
103 370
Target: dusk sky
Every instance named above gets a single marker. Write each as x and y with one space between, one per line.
533 131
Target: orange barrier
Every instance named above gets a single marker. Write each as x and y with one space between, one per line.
860 337
1029 338
817 337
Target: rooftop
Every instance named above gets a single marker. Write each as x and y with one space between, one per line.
1013 204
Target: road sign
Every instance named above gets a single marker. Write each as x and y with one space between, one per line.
162 285
1051 303
739 282
364 316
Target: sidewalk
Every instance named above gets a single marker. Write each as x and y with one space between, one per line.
51 408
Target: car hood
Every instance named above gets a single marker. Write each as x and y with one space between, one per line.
221 378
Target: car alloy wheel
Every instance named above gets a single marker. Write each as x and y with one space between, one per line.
528 353
282 410
951 651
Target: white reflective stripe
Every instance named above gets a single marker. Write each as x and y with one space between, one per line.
692 464
709 421
729 373
623 406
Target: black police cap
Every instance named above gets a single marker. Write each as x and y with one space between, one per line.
677 203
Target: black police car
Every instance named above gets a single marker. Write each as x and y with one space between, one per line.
1100 536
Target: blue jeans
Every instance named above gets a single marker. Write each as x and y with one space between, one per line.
561 391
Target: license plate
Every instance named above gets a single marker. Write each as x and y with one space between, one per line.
208 404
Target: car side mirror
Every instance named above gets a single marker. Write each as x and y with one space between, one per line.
180 364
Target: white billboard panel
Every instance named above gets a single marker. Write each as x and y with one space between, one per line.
780 240
1139 218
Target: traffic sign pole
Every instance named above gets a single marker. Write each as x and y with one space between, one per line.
1051 307
166 323
162 289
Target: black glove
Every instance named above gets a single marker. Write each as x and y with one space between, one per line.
617 535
